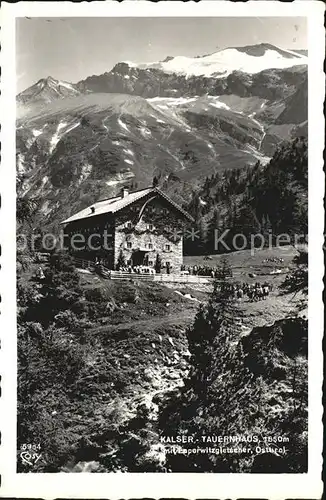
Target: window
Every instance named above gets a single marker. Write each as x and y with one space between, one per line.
150 227
129 225
167 248
150 263
129 244
150 246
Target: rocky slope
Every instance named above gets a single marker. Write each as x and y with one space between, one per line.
269 84
88 146
79 142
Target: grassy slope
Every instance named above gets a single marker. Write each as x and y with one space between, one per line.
244 262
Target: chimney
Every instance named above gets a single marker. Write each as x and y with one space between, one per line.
124 192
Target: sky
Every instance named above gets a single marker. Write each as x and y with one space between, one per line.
71 49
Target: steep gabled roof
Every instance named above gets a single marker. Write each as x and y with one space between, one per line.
114 205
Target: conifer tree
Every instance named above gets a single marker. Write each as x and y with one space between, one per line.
121 262
212 326
202 240
158 263
214 225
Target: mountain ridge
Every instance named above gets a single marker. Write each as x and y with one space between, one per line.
59 88
78 142
248 59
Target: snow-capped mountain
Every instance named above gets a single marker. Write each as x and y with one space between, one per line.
271 84
79 142
250 59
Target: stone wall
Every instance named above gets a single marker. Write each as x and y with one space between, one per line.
153 227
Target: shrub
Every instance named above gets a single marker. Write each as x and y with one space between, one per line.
121 261
158 263
99 295
66 319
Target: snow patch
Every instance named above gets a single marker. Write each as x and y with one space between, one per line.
145 132
186 295
113 183
36 133
166 102
61 125
119 178
85 172
67 86
222 63
53 85
130 64
46 208
190 297
219 105
130 162
123 125
74 125
129 152
29 142
104 125
176 159
57 135
21 169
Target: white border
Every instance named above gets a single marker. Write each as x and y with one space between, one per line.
154 484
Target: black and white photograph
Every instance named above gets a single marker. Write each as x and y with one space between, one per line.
161 206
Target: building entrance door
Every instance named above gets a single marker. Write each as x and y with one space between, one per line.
138 258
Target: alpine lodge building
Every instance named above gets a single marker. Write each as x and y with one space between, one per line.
134 228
